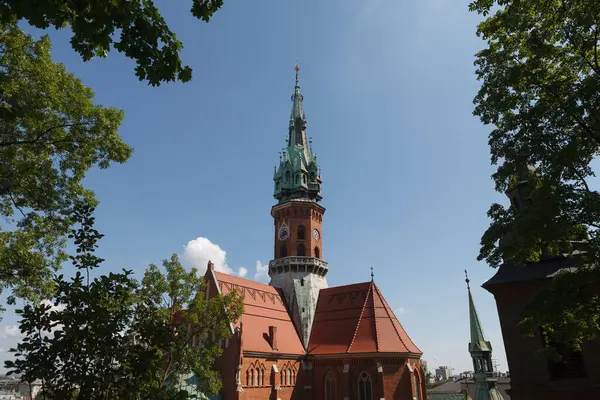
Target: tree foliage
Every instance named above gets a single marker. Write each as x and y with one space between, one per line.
144 35
51 134
112 337
540 90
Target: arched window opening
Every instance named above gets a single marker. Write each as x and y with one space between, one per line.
364 387
248 378
317 253
297 178
304 179
330 386
283 251
312 176
261 380
301 281
416 389
293 377
253 374
300 250
301 231
287 176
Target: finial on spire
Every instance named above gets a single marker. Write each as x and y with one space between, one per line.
297 68
467 280
372 274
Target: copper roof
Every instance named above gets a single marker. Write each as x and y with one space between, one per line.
263 307
356 319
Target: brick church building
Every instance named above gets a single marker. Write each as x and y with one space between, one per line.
298 338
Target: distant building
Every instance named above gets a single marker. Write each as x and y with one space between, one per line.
443 372
577 375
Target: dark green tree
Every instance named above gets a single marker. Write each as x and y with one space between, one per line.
111 337
143 34
77 344
51 134
540 75
180 330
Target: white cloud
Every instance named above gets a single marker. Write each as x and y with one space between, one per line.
262 272
200 251
10 331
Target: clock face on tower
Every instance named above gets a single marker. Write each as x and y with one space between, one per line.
316 234
284 233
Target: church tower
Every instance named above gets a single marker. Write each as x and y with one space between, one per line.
297 267
481 353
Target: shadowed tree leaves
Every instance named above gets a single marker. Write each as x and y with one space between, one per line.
540 90
143 35
112 337
51 134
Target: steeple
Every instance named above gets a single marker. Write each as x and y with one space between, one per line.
297 176
481 353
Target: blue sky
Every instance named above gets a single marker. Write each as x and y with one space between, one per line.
388 89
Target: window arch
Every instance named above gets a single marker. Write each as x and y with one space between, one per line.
287 176
283 251
304 178
253 375
300 250
416 388
317 252
301 232
364 387
330 386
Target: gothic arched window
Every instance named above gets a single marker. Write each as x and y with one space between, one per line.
364 387
293 377
312 176
330 386
283 251
248 378
253 375
300 250
317 253
261 377
301 232
416 388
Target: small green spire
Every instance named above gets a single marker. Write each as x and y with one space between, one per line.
478 342
481 353
298 174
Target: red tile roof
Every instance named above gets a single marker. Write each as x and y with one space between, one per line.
263 307
357 319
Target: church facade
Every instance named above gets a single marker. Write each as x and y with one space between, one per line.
298 338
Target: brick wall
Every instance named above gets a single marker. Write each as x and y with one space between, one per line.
530 378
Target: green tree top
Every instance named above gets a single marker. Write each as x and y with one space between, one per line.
51 134
540 86
143 33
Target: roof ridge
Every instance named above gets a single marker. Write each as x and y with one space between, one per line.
375 320
386 307
247 280
359 319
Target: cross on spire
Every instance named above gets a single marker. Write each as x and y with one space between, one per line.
372 274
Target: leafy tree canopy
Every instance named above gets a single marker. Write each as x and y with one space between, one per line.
540 91
112 337
51 134
143 33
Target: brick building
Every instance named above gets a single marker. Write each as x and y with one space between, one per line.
577 376
299 338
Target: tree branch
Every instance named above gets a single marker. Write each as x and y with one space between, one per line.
596 47
41 135
12 199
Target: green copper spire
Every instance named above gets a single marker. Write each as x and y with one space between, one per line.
478 342
481 353
298 175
